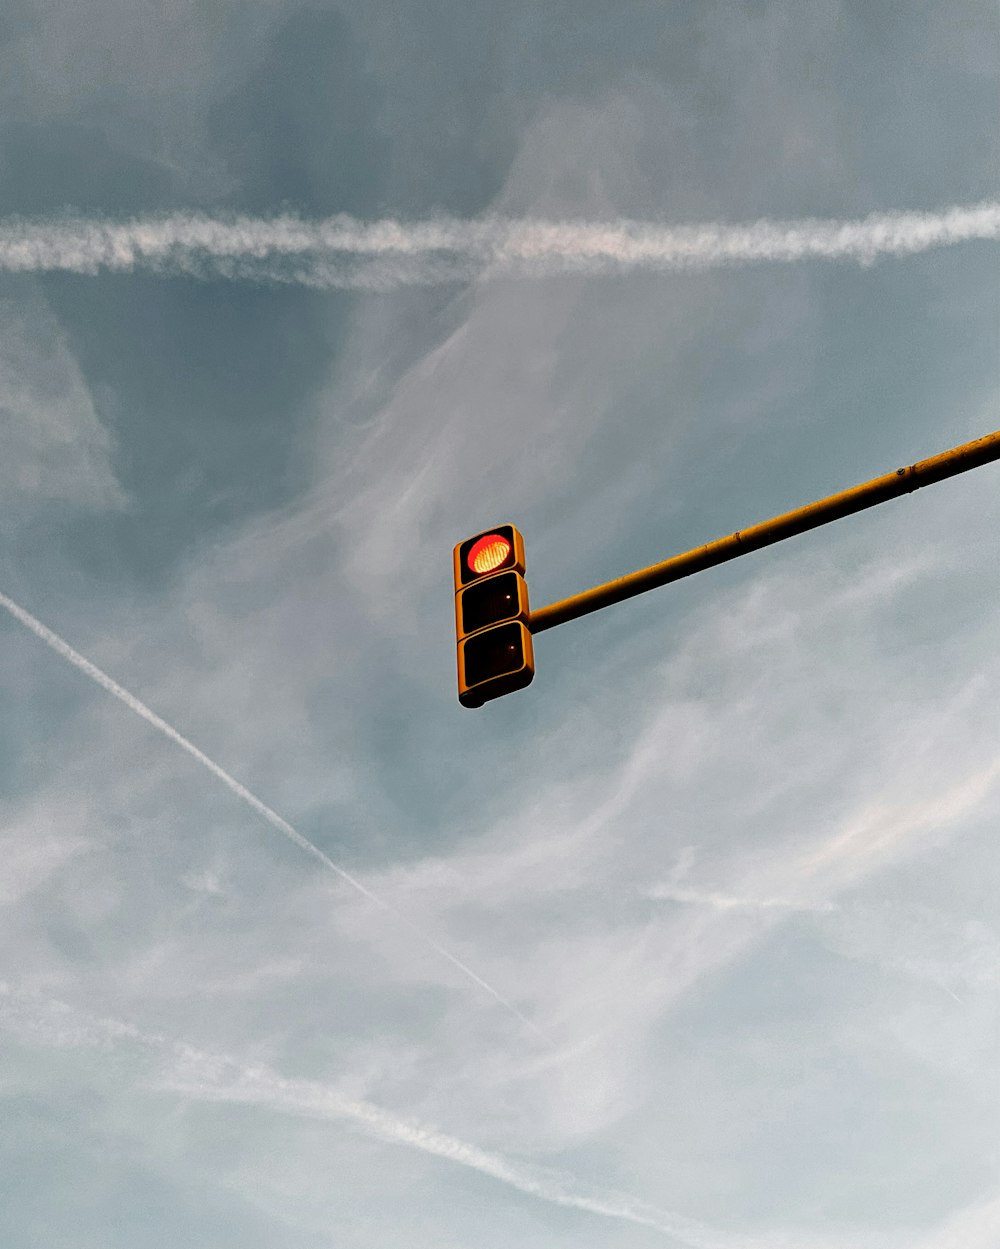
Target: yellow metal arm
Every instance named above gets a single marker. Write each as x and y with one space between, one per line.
902 481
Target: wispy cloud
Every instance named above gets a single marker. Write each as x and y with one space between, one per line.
881 830
343 251
194 1073
975 1227
53 443
261 1087
84 665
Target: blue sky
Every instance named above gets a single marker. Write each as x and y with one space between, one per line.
722 882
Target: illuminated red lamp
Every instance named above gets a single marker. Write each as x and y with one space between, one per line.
488 553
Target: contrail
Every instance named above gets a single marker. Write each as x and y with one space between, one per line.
258 1086
346 252
207 1077
63 649
733 902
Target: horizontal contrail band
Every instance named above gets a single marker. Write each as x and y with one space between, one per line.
84 665
346 252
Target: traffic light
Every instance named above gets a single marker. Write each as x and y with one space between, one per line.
491 616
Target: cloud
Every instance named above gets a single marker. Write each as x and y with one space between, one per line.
37 843
192 1073
977 1226
53 445
344 252
65 651
728 902
884 828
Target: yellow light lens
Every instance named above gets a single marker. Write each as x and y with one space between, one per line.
488 552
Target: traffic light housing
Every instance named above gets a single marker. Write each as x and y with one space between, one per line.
495 655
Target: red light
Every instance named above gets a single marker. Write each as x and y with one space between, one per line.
488 552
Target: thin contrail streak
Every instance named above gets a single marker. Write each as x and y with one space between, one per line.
207 1077
733 902
346 252
260 1087
63 649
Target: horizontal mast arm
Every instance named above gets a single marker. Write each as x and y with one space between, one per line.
878 490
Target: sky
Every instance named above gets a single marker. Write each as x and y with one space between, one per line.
692 943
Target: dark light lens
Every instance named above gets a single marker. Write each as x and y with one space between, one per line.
493 654
490 602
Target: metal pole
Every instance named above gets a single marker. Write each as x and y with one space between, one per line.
902 481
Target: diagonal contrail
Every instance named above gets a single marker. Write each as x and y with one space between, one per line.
63 649
346 252
196 1074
